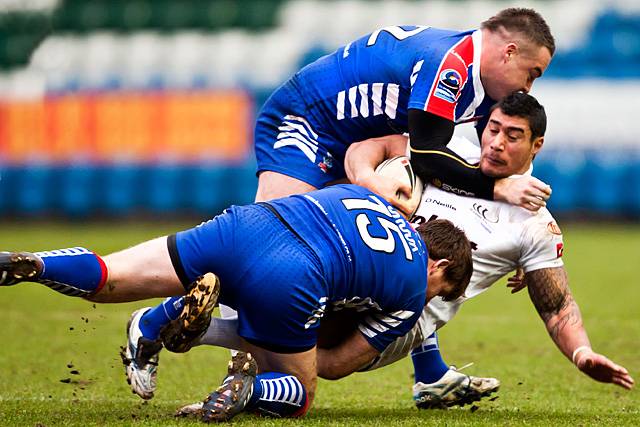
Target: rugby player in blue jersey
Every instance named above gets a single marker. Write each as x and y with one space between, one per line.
414 79
281 265
399 79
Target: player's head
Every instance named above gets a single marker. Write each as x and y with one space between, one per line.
517 47
450 266
513 136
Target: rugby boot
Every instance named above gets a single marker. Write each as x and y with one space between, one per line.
453 389
181 334
16 267
140 358
232 396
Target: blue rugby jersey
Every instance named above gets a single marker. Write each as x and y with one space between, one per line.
365 88
370 255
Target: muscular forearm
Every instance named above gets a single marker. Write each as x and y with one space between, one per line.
346 358
550 294
552 298
566 329
434 162
363 157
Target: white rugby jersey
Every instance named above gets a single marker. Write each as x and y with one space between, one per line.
503 238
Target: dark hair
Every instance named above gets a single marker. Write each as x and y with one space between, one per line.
523 105
527 22
445 240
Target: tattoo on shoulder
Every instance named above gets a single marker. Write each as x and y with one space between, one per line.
549 291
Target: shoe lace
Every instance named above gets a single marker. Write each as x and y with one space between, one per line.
454 368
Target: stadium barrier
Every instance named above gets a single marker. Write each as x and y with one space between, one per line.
592 182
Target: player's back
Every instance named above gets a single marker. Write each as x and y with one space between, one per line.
365 88
367 250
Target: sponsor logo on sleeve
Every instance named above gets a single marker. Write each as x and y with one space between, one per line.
449 83
559 250
554 229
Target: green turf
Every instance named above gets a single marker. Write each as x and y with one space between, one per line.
43 332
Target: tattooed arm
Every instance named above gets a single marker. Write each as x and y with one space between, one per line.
550 294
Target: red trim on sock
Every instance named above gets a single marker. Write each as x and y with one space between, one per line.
303 410
104 276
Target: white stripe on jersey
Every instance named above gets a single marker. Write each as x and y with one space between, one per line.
352 101
297 132
376 97
389 321
364 99
391 104
416 70
371 323
402 314
340 106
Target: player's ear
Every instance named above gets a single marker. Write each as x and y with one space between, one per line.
441 264
537 145
510 50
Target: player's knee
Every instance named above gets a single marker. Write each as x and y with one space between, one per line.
328 370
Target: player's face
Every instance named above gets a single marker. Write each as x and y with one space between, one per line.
518 68
437 284
507 148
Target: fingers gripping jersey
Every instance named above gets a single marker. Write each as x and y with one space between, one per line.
365 88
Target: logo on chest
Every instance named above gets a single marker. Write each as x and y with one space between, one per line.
485 213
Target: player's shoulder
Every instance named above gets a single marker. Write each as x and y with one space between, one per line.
539 226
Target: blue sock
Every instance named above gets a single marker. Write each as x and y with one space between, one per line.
155 319
427 361
73 272
279 395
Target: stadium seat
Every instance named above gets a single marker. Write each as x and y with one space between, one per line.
75 191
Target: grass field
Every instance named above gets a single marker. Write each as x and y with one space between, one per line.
47 337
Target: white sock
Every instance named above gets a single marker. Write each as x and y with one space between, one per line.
222 333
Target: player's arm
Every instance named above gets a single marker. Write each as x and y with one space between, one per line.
363 157
351 355
550 294
433 161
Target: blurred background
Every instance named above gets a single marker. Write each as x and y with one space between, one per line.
115 108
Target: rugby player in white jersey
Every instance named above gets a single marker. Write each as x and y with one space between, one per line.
506 237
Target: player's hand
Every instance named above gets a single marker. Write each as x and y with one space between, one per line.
600 368
394 191
516 282
527 192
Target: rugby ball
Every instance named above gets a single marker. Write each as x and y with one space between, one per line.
399 168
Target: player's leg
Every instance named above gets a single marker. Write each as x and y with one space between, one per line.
190 255
143 271
272 384
274 185
140 272
276 284
438 385
427 361
141 353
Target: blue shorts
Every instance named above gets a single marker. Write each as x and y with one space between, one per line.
289 142
267 274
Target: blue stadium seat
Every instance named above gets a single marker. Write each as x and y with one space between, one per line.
121 189
76 189
34 192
